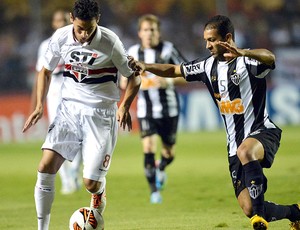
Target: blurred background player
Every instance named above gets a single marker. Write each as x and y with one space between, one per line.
157 104
69 171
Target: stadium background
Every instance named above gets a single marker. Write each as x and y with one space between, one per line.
271 24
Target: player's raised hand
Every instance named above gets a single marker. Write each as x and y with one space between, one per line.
124 118
33 119
232 51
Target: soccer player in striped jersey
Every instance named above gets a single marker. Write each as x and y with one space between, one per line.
157 104
87 119
235 79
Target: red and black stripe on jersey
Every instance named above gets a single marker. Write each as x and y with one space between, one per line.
92 76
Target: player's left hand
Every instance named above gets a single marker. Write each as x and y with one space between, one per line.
33 119
232 51
124 118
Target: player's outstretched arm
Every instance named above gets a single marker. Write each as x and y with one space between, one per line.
123 115
162 70
43 82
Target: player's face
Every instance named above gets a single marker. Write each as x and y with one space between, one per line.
149 34
84 30
212 37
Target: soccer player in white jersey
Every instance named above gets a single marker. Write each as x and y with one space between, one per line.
157 104
235 79
87 118
69 171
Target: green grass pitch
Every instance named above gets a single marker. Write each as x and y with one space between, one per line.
198 194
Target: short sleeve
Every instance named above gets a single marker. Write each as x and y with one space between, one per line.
120 59
52 55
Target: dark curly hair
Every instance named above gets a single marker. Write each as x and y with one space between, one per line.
86 9
222 24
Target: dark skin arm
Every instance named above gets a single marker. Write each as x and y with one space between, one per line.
162 70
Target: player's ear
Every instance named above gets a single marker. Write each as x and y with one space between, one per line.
98 18
71 18
228 38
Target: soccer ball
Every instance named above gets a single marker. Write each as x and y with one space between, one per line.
86 219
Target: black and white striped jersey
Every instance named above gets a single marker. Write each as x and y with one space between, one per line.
154 101
238 88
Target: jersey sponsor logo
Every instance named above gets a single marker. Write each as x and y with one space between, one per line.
192 68
83 57
231 107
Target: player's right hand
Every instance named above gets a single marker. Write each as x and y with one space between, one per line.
136 66
33 119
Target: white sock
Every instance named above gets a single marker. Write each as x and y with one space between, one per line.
44 196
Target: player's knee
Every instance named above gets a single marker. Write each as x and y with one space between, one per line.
91 185
244 154
168 151
46 168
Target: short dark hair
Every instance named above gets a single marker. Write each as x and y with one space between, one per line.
222 24
86 9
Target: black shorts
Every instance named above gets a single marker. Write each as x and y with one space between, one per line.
270 139
165 127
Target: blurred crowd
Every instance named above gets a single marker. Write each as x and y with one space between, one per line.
24 24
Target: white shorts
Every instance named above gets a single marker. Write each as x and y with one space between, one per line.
91 131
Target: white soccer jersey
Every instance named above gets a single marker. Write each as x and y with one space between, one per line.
54 92
238 88
90 69
153 101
